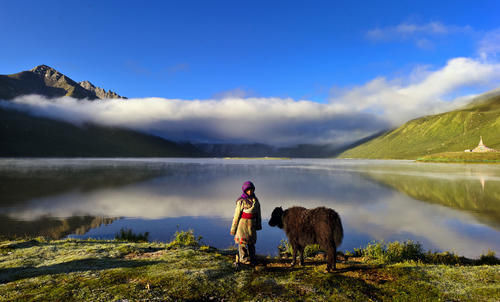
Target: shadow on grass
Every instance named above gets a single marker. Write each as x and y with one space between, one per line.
17 273
21 245
307 280
33 242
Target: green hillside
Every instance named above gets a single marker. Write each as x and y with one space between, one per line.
452 131
24 135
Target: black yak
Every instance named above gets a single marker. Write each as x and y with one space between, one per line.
316 226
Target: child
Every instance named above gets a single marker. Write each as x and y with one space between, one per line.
246 223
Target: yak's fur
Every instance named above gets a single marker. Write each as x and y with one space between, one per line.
315 226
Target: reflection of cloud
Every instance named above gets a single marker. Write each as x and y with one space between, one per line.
209 188
380 217
440 226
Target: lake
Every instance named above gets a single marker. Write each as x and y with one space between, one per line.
453 207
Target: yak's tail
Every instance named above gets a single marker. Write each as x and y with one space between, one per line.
338 231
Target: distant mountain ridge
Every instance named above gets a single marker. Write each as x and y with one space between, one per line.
45 80
452 131
22 134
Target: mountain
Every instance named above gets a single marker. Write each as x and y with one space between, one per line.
46 81
262 150
22 134
452 131
99 92
49 227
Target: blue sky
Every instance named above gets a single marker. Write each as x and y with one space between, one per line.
328 52
198 49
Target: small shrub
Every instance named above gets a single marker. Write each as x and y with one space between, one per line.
284 248
312 250
489 258
184 238
399 252
392 252
442 258
374 251
358 252
128 235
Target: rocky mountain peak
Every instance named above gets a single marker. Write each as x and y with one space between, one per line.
47 81
100 92
42 69
87 85
45 70
49 74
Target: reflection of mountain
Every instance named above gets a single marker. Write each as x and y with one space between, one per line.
18 185
54 228
479 197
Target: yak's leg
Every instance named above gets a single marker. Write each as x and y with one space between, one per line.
301 254
294 254
332 258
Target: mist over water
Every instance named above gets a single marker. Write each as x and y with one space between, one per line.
445 207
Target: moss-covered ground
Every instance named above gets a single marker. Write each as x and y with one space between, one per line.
94 270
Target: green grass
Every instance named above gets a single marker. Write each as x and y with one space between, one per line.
396 252
97 270
452 131
462 157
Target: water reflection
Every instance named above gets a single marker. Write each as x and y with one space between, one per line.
445 207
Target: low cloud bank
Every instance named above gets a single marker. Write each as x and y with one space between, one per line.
423 92
349 115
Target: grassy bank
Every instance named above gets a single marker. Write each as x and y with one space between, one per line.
260 158
94 270
462 157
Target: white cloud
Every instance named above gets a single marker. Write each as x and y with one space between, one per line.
407 30
268 120
489 46
425 91
352 114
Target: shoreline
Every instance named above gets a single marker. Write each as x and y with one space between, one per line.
101 270
462 157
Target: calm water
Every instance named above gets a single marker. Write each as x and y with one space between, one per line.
445 207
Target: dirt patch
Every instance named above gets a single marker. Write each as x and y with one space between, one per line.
370 275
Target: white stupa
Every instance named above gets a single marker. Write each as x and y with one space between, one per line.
482 148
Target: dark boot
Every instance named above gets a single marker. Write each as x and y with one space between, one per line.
244 253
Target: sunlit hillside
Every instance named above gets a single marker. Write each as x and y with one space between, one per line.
446 132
